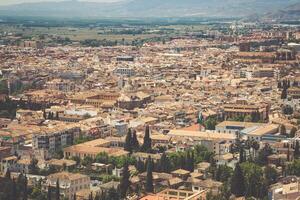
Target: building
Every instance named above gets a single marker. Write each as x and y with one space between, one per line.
259 133
245 47
235 126
286 188
171 194
69 183
134 100
124 71
48 140
92 149
32 44
125 58
61 85
294 92
257 112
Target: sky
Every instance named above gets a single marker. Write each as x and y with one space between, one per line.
9 2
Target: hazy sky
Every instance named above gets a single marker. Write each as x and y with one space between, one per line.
8 2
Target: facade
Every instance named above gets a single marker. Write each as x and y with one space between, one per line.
171 194
61 85
47 141
124 71
92 149
69 183
258 112
32 44
125 58
294 92
286 188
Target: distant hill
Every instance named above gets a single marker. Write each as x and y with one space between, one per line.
147 8
289 13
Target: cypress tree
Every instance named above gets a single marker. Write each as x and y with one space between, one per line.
134 142
149 179
13 194
91 196
296 152
125 183
140 165
25 192
74 197
146 147
238 182
192 167
293 132
182 161
49 193
242 159
279 84
127 145
113 194
284 93
7 174
164 163
57 191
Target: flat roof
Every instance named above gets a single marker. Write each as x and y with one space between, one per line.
202 135
237 123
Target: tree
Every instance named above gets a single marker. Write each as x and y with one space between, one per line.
140 165
164 164
253 179
279 85
33 166
49 193
297 152
25 194
255 146
210 123
149 179
128 143
7 174
294 168
57 190
248 118
134 142
125 183
13 194
237 182
102 157
113 194
287 110
284 93
223 173
270 175
293 132
87 161
146 147
242 155
263 154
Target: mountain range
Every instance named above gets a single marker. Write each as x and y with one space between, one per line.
149 8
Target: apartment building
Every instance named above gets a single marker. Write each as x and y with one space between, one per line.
48 140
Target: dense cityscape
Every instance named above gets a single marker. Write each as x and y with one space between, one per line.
201 110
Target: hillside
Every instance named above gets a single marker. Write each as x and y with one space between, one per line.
146 8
